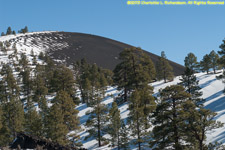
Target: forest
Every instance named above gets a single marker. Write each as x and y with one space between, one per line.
39 97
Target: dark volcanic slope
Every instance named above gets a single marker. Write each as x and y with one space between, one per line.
102 51
71 47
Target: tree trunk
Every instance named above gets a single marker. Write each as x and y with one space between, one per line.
118 141
175 130
99 132
138 133
125 94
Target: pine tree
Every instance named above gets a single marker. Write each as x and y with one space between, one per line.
86 91
120 79
135 70
63 80
222 54
56 129
69 112
27 87
168 123
1 119
148 66
103 84
2 34
81 69
97 121
148 103
124 137
33 122
197 123
9 31
206 63
25 29
115 125
214 60
14 32
164 70
190 61
13 113
137 118
190 83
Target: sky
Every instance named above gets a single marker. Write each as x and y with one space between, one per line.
177 30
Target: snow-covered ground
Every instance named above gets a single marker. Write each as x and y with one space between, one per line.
211 87
212 92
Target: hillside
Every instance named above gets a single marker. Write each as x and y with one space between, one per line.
212 92
60 49
69 47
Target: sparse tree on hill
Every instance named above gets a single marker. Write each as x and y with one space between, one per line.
197 123
190 61
63 80
114 125
190 83
137 117
14 32
135 70
214 60
168 123
222 62
124 137
164 69
9 31
70 118
97 121
13 113
56 129
206 63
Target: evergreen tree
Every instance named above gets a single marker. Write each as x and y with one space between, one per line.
14 32
190 83
222 54
148 66
120 79
148 103
97 121
115 125
137 118
27 87
25 29
81 69
164 70
33 122
13 113
2 34
135 70
103 84
69 112
63 79
56 129
206 63
9 31
214 60
124 134
1 119
197 123
168 123
190 61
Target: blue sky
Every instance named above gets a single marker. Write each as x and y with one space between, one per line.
177 30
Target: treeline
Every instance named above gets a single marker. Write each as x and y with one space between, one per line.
210 61
9 31
25 103
178 116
